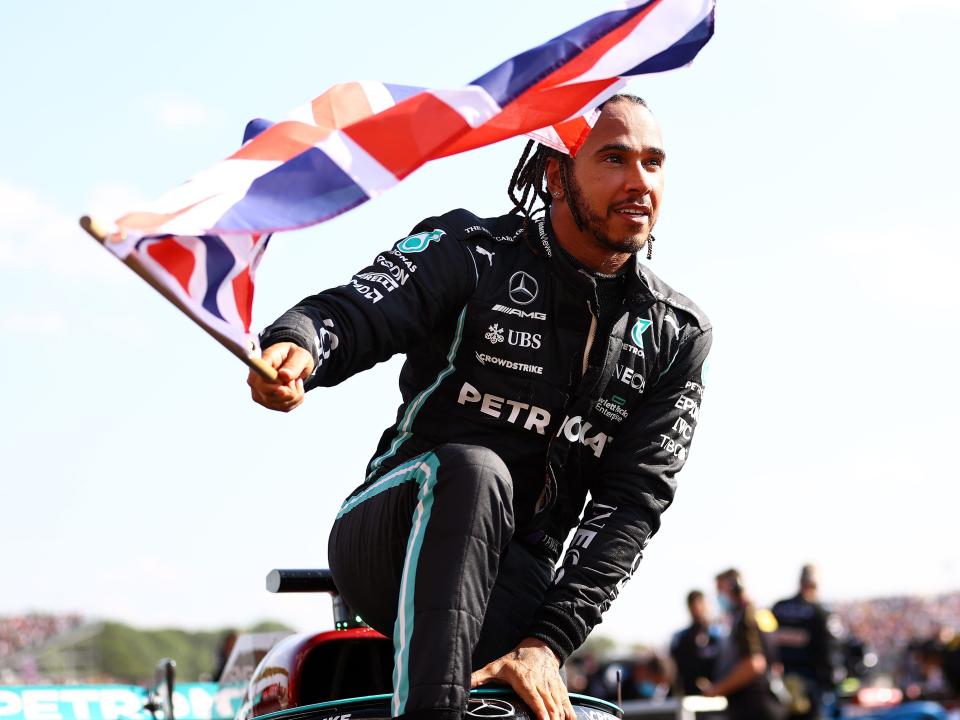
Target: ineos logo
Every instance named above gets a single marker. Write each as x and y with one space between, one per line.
490 708
523 288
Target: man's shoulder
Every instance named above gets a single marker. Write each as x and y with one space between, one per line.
677 301
465 225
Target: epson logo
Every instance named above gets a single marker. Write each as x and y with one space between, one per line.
520 313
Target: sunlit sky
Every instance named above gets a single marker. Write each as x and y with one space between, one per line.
811 210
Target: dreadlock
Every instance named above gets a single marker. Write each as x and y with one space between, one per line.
528 184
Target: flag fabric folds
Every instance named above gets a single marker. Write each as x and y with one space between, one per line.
202 241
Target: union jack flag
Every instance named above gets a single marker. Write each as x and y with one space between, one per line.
200 243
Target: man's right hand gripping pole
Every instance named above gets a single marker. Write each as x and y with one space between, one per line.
293 365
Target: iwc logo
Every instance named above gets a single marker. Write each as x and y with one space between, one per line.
419 242
523 288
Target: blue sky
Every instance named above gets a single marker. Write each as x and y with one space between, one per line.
811 210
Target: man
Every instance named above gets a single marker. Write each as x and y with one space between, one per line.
806 643
743 665
544 363
694 649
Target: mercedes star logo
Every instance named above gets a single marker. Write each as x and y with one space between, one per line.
490 708
523 288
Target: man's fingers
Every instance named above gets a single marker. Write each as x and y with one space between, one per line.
568 712
276 354
479 677
528 693
550 702
297 363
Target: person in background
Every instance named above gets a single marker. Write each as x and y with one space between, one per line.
806 646
694 649
744 664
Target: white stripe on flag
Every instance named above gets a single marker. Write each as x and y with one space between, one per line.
378 96
473 103
667 23
303 113
363 169
234 175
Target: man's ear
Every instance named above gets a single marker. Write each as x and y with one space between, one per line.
552 173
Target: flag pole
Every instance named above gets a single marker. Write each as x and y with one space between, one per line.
96 231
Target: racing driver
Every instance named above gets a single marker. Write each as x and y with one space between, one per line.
551 381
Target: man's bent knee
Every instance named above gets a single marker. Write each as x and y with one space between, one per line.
477 464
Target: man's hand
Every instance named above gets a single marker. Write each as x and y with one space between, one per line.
533 671
293 365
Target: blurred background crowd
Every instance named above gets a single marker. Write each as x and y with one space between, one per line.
908 643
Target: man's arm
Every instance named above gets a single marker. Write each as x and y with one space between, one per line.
388 307
636 485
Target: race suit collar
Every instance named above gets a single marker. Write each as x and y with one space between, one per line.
637 290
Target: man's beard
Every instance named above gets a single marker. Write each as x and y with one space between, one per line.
596 225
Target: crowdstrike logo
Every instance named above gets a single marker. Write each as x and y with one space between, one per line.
523 288
483 359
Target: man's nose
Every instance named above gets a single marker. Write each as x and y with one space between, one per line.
637 178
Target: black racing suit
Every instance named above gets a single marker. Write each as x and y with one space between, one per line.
806 647
694 651
498 327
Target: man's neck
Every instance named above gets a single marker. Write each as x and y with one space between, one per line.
584 248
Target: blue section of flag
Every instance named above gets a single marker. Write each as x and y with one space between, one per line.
508 80
678 55
220 263
255 127
402 92
309 186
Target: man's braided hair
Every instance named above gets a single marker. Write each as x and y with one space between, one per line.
528 184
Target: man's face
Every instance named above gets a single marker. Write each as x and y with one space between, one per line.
617 178
698 610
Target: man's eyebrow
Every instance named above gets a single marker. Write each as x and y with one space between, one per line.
621 147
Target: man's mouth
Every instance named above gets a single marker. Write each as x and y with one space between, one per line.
637 210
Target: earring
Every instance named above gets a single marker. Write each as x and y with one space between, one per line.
556 195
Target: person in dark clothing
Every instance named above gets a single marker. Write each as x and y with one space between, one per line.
694 649
545 366
745 658
806 645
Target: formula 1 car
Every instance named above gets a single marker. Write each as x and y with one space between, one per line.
346 673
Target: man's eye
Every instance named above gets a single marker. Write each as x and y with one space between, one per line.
654 162
612 159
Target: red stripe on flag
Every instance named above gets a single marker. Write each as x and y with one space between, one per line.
281 142
341 105
526 114
573 133
417 127
175 259
243 295
579 64
518 117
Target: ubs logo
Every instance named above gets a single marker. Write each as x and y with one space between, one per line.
523 288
